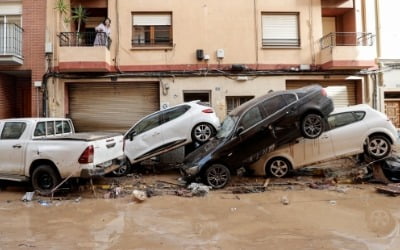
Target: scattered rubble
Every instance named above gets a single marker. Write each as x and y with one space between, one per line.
28 196
199 189
139 196
391 189
285 200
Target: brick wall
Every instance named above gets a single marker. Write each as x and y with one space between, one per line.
7 97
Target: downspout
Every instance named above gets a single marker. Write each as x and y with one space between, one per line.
256 32
378 79
45 103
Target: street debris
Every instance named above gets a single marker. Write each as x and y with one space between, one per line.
332 202
199 189
139 196
285 200
391 189
28 196
45 203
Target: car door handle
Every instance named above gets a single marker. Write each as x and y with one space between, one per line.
17 146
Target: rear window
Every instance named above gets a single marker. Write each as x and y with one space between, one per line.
52 128
174 113
342 119
251 117
273 104
13 130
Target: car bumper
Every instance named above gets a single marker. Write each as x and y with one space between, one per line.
98 171
190 171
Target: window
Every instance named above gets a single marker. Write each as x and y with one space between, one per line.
342 119
50 128
359 115
273 104
148 123
289 98
66 127
13 130
235 101
173 113
252 117
193 95
40 129
280 30
152 29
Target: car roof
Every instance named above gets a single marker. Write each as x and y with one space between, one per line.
34 119
358 107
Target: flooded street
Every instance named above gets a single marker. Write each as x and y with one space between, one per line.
359 218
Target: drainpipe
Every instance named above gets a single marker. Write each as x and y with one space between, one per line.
378 79
45 103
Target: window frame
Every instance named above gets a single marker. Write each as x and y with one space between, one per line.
152 44
355 117
266 46
235 99
13 122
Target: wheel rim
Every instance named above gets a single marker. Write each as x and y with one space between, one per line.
121 170
45 181
202 132
279 168
217 176
378 147
312 125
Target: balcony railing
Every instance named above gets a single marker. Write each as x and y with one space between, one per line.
11 39
84 39
346 39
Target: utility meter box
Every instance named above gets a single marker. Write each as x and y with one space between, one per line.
220 53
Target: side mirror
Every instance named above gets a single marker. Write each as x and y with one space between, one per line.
131 135
239 130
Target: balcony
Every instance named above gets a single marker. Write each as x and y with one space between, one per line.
11 44
84 52
347 50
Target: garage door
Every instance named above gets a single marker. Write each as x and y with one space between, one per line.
110 106
7 100
343 94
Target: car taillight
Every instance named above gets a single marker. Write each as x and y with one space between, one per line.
87 155
207 111
324 92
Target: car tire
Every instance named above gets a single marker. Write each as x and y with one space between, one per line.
45 179
377 147
312 126
122 170
202 132
217 176
278 167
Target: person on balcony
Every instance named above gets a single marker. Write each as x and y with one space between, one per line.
103 32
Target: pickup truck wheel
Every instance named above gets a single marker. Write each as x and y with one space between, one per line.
202 132
312 126
377 147
44 179
217 176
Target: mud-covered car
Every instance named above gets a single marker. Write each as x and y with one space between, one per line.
257 127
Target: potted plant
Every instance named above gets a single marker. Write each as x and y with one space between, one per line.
79 15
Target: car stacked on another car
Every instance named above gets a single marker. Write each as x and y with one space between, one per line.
168 129
256 127
351 131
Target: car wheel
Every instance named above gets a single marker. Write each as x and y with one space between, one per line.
202 132
217 176
45 179
312 126
278 167
377 147
122 171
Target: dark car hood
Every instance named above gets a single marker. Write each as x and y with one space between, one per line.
202 151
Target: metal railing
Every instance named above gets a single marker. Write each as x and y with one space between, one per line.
84 39
10 39
346 39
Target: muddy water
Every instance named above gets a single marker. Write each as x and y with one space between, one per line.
313 219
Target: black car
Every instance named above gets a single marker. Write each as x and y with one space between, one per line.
256 127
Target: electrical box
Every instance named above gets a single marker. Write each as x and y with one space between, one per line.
206 57
200 54
37 84
220 53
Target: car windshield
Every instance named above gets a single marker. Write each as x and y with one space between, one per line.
227 126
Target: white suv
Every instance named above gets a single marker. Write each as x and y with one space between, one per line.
352 130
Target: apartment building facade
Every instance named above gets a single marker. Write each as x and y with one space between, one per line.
22 57
222 52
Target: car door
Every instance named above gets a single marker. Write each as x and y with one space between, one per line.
176 124
12 148
347 133
144 138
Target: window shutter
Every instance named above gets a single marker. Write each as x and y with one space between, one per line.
151 20
10 9
280 30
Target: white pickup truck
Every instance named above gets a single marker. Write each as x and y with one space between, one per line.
47 150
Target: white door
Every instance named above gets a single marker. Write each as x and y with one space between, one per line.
348 133
144 138
308 151
177 123
12 148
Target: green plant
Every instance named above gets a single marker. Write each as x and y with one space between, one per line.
63 9
79 14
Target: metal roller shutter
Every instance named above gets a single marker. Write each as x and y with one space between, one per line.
111 106
7 100
343 94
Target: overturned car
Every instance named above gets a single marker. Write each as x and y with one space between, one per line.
257 127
